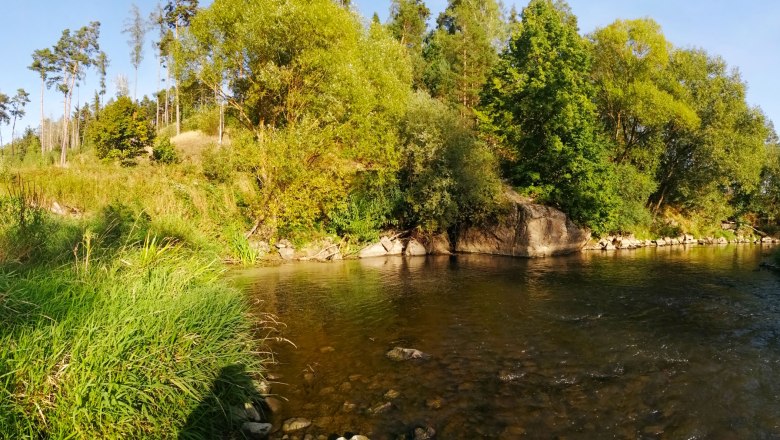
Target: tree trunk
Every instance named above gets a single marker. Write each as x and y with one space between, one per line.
176 81
64 142
157 99
13 129
135 87
41 133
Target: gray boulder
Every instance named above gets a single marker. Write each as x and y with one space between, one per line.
287 253
439 245
415 249
527 230
255 430
372 251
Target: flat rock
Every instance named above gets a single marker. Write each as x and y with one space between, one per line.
397 248
372 251
295 424
255 430
386 243
400 354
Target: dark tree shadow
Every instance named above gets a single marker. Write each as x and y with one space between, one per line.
216 416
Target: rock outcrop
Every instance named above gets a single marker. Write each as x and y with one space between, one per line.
527 230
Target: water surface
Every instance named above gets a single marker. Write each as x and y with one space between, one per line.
655 343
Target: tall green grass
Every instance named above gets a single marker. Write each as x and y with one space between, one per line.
108 331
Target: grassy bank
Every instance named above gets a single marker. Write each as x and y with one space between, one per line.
110 332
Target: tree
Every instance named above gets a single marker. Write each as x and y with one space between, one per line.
73 53
136 28
705 168
537 105
43 64
635 96
320 95
18 102
122 132
179 14
4 115
409 25
463 50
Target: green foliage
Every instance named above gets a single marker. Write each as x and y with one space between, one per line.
367 210
218 164
537 104
320 95
449 176
205 119
635 95
25 225
122 132
124 347
707 167
164 152
461 51
409 25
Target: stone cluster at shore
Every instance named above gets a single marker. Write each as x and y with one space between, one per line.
612 243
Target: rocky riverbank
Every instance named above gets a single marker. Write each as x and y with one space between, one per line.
612 243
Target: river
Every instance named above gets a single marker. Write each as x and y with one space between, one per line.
680 343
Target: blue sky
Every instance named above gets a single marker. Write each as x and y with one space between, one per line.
746 34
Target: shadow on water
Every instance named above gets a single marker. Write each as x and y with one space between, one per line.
215 417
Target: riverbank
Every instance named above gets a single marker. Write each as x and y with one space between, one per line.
111 332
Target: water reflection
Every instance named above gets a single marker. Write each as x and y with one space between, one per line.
668 342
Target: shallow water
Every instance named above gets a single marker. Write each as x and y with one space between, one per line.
654 343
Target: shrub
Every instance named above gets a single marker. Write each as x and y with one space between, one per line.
217 164
448 175
164 152
122 132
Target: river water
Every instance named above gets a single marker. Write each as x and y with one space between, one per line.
676 343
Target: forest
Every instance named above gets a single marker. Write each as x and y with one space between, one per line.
350 126
316 122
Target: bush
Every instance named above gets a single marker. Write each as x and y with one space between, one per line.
448 175
122 132
366 212
217 164
164 152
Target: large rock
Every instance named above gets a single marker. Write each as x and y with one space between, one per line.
397 248
439 244
415 249
528 230
375 250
